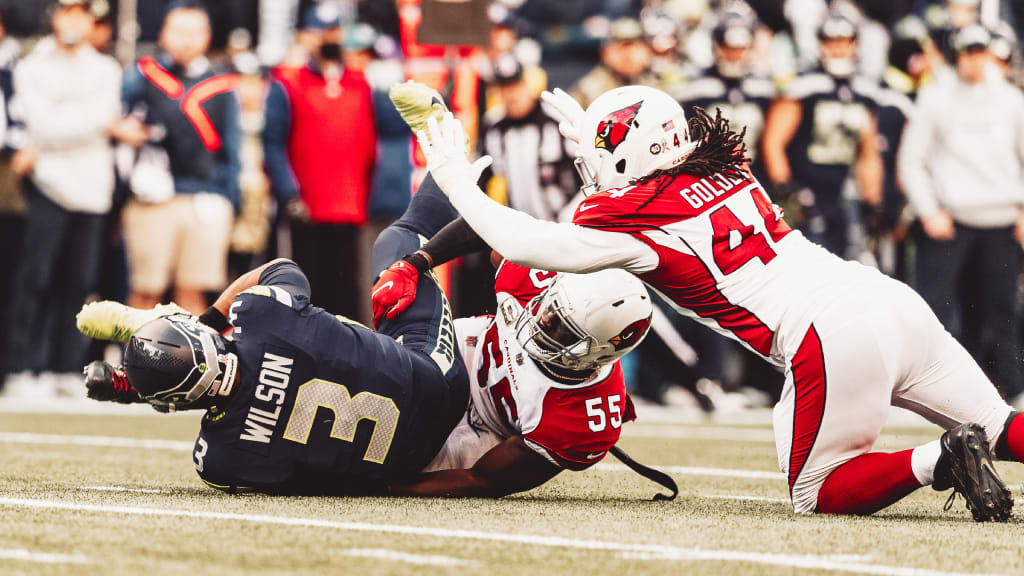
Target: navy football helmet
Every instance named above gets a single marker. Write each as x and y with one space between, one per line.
176 363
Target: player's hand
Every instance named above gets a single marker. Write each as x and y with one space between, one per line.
444 149
1018 230
107 383
939 226
567 111
394 291
297 211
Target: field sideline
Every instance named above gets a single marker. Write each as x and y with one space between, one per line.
115 493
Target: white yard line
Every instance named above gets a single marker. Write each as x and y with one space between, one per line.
698 471
174 445
745 498
645 551
103 441
42 557
124 489
398 556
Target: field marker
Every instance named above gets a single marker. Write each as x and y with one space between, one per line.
124 489
43 557
645 551
698 471
745 498
179 446
398 556
103 441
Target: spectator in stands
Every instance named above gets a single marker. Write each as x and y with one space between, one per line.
961 163
821 131
625 59
532 171
12 204
1003 47
68 98
320 148
178 225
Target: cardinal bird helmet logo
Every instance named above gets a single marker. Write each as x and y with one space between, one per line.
612 129
631 334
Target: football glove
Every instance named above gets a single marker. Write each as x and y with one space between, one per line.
113 321
108 383
567 111
442 146
394 291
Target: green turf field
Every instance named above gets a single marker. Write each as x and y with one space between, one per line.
84 494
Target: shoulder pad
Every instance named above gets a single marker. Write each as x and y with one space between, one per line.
701 88
275 292
807 85
759 87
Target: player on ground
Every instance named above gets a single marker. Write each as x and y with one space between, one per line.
286 394
686 217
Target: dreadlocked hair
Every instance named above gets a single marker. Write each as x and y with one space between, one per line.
719 150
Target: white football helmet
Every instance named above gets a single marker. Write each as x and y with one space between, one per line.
584 321
627 133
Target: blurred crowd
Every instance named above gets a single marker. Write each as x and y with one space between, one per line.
155 149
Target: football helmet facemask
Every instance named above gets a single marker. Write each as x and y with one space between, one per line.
584 321
176 363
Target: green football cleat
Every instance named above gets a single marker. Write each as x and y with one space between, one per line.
417 103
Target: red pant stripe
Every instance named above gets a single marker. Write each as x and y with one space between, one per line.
810 383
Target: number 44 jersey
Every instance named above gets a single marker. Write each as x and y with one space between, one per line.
726 257
572 425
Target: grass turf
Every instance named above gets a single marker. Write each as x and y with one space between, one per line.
707 530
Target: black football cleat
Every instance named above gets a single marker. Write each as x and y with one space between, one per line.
966 466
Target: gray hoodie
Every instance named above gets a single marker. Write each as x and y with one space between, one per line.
68 103
963 151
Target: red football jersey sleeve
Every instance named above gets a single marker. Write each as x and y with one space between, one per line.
578 426
521 282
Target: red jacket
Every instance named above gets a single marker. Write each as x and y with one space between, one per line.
332 146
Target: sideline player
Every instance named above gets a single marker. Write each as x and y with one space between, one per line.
287 359
687 218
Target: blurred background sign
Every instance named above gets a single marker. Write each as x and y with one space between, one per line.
455 22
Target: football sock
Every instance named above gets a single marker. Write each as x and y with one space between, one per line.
1010 445
869 483
923 461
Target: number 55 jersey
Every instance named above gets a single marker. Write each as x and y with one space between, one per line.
572 424
726 257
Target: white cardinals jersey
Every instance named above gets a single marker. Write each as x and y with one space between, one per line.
726 257
573 426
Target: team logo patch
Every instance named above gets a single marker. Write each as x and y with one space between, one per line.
631 334
612 129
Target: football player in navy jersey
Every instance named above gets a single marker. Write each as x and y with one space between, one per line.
298 400
728 85
820 131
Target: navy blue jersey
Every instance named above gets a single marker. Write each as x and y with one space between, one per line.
323 404
835 112
744 101
894 108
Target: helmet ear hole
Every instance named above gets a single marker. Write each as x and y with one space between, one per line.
620 166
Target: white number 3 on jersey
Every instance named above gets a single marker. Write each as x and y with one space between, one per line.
597 419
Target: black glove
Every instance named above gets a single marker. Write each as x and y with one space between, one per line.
874 220
797 202
108 383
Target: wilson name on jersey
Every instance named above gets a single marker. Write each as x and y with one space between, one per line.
572 426
725 255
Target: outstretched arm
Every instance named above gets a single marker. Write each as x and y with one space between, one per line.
507 468
517 236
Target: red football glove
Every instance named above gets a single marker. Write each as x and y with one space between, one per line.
394 291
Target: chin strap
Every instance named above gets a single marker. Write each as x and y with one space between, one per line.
651 474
